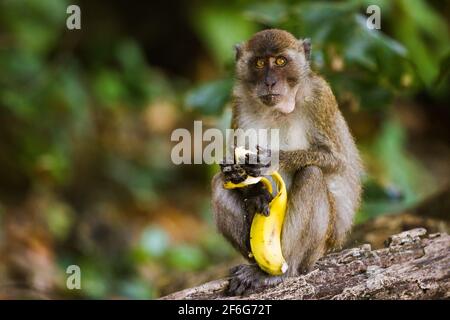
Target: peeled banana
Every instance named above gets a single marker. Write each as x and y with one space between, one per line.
265 232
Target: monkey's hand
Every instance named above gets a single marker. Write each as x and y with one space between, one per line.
233 172
258 164
256 200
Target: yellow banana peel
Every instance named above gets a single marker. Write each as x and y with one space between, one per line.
265 232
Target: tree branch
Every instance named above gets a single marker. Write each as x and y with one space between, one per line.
414 265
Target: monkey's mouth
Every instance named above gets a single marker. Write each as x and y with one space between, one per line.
270 99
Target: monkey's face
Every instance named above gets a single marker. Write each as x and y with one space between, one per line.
273 79
270 67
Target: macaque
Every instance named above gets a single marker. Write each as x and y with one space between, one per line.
275 88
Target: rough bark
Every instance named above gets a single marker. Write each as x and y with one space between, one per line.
413 265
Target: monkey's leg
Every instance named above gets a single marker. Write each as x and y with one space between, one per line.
234 223
309 220
230 215
305 233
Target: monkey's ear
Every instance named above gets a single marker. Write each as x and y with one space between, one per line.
306 43
238 51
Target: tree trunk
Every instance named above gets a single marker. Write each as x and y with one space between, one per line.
413 265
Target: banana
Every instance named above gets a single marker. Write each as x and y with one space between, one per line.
239 154
265 232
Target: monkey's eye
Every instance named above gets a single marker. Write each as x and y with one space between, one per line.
280 61
260 63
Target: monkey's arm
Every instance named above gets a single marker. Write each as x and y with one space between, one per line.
320 156
230 215
234 210
325 150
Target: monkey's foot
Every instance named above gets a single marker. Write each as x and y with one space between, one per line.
246 279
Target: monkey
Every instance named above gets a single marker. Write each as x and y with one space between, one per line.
276 88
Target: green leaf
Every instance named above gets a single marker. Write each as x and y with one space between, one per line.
35 26
60 220
444 70
95 279
425 35
403 182
210 97
108 88
220 28
217 248
269 13
185 257
130 56
425 18
383 40
137 289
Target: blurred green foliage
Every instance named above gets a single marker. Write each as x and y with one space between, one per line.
85 124
367 67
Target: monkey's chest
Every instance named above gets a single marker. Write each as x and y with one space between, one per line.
294 136
283 135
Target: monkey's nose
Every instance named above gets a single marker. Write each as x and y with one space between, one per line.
270 82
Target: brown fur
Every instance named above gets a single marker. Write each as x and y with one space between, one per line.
318 157
272 41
